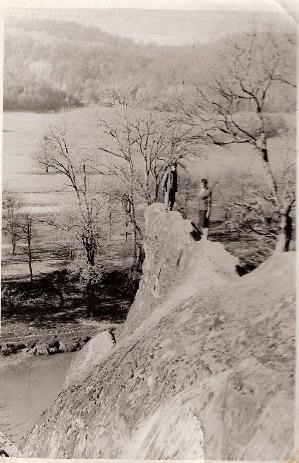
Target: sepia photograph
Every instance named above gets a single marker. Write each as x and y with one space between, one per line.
148 245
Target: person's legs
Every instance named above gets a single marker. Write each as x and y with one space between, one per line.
171 199
205 229
166 199
201 221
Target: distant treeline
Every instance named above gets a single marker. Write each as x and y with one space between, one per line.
52 64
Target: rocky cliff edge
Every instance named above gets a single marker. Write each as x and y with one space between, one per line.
204 367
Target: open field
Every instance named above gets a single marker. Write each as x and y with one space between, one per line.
45 193
21 140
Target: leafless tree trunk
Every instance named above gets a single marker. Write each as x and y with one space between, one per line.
27 230
58 156
11 216
137 235
285 234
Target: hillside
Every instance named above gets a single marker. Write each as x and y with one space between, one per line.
204 367
50 64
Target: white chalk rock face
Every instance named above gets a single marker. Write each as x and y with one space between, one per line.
203 369
173 432
92 353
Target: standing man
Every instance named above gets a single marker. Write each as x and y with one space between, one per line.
170 186
205 201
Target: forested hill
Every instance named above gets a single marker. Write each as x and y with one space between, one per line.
49 64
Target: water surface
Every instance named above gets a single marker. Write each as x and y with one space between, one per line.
27 389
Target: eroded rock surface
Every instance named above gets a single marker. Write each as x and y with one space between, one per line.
7 448
91 354
204 367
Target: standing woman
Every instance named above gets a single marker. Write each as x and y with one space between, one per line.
205 201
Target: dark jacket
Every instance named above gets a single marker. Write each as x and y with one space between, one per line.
171 181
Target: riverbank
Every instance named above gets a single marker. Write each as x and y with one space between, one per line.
48 316
48 343
41 333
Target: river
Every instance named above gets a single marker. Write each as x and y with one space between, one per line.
27 389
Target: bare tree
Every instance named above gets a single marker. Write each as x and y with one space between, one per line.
84 223
27 233
11 215
44 148
249 67
137 148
